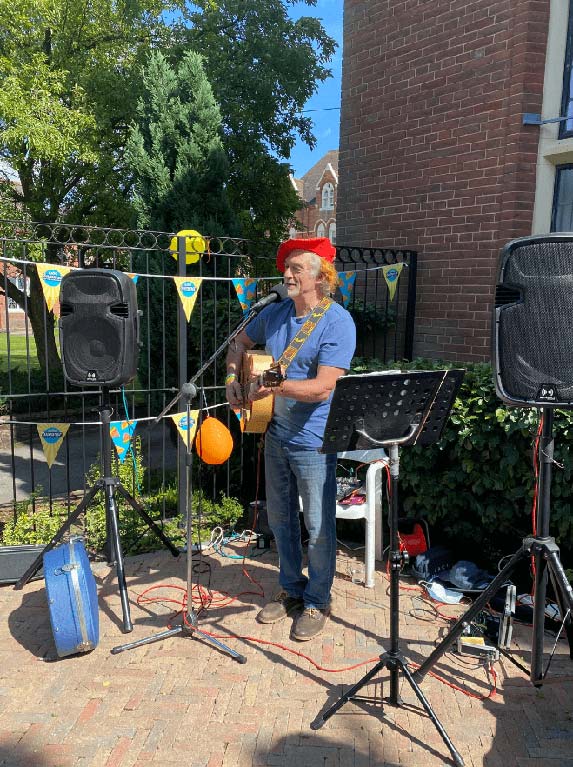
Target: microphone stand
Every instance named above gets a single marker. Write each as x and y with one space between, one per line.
189 622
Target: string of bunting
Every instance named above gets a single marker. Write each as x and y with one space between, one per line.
52 434
51 276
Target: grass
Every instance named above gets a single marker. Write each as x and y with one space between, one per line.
18 353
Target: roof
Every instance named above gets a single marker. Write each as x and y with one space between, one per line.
309 181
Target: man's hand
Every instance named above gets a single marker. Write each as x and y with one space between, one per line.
257 391
234 393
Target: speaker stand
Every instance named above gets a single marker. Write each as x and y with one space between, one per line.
109 485
547 565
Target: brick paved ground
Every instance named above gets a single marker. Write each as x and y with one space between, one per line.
180 701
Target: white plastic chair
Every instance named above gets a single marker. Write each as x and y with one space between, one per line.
371 509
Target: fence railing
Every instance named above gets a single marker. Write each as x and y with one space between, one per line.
33 389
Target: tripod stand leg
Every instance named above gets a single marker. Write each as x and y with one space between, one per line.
186 628
551 566
474 609
111 511
437 724
145 516
76 513
320 720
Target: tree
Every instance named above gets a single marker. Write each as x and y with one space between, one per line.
263 68
68 89
70 79
175 152
180 173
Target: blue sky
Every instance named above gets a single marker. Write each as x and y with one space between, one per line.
326 123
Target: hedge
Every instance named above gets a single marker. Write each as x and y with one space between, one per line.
475 486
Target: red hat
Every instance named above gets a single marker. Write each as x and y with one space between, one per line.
319 245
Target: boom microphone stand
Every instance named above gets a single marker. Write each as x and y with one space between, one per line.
109 484
391 410
189 621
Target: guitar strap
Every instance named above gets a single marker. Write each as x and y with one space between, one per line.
302 335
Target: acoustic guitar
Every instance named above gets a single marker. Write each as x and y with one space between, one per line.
258 367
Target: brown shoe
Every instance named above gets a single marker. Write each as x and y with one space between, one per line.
281 606
310 623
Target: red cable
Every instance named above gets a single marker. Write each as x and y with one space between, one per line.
491 693
226 599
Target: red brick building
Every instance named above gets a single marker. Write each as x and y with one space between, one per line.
442 151
318 191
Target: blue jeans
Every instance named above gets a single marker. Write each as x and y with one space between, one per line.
290 473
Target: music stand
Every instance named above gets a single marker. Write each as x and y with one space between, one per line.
391 409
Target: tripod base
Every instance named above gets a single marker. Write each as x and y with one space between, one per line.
396 664
188 628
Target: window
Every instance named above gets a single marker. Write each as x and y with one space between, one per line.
320 230
562 214
328 196
566 127
19 282
332 233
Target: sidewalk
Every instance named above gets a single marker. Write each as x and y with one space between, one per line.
180 701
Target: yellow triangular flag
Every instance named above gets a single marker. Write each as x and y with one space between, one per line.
51 436
391 275
51 278
188 289
186 428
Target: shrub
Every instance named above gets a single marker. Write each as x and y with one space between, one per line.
38 527
29 527
475 486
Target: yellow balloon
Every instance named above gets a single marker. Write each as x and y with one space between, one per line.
195 245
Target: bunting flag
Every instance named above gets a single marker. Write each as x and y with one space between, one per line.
133 276
239 413
188 289
391 275
246 288
346 282
195 245
51 277
51 436
186 428
121 434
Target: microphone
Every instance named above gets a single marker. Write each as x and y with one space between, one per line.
275 294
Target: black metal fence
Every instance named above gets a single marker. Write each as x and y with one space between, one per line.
33 389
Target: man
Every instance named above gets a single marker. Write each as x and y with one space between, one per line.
295 470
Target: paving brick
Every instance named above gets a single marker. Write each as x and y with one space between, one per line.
180 700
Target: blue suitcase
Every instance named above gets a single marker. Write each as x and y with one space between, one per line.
72 598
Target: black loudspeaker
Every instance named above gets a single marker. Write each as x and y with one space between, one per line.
99 327
533 322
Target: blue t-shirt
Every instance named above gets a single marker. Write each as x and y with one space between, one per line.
331 343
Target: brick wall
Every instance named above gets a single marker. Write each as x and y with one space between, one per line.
433 153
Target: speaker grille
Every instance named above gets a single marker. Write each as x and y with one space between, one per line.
534 317
98 327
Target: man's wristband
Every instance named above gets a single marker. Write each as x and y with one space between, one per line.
230 378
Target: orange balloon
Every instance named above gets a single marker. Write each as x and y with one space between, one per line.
214 443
